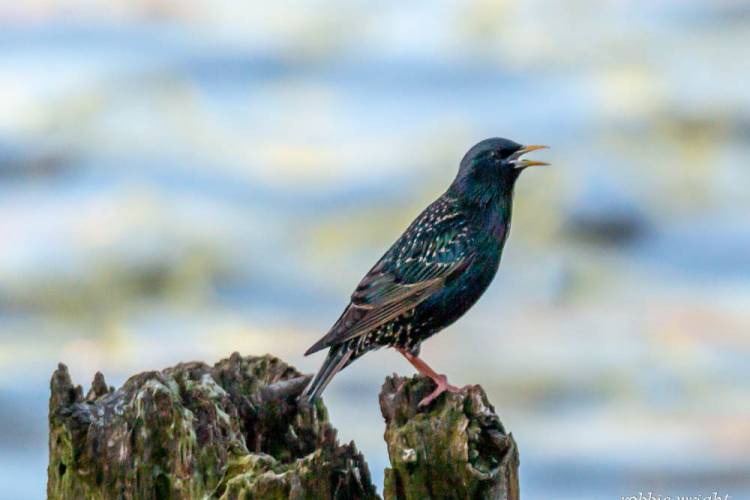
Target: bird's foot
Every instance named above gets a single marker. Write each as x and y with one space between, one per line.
442 386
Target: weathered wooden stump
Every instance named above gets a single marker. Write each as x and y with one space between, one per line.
235 430
454 448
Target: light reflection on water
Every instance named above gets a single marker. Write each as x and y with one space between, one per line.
180 187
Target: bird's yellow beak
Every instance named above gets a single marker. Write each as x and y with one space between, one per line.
528 163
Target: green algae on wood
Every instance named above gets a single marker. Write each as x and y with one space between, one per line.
235 431
456 447
232 430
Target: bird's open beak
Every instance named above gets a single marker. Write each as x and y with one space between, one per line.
519 163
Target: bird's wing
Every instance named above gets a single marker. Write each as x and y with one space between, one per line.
434 249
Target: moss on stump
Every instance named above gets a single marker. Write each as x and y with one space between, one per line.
232 430
235 431
456 447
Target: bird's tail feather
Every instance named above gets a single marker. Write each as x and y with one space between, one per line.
338 357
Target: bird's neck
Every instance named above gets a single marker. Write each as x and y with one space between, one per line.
484 188
492 217
499 216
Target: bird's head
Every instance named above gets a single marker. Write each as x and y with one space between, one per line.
490 169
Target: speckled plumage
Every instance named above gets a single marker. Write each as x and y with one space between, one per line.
436 270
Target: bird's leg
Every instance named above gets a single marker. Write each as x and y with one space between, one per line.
440 380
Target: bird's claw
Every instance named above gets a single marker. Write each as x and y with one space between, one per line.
442 386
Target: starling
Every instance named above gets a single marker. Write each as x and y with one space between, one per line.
434 272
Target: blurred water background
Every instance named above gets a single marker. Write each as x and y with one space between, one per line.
179 180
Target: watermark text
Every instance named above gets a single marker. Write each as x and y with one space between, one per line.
649 495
